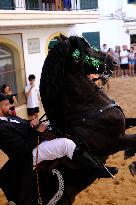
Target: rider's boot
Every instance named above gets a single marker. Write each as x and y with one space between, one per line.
86 161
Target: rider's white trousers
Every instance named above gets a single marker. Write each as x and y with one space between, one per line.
56 148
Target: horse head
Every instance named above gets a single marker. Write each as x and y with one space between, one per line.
70 56
82 56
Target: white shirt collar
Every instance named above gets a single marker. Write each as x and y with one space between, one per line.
10 120
4 118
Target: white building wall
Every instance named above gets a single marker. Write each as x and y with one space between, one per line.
81 28
107 6
16 37
129 9
34 62
113 33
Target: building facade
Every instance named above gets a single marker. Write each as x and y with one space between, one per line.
28 29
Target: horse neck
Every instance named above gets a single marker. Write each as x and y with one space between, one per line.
81 94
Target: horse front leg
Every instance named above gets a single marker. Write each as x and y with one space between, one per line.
130 122
129 141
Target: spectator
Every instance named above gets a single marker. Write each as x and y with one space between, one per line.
110 52
131 62
135 57
116 56
6 90
104 48
67 4
124 61
33 98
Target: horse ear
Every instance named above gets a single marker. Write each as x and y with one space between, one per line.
63 38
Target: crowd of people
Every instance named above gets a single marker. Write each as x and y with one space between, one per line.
125 59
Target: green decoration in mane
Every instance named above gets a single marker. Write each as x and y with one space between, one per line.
89 60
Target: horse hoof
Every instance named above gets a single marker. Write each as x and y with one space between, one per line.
132 168
129 152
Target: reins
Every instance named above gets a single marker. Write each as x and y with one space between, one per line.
36 167
37 175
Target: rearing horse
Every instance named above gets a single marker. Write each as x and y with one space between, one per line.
75 105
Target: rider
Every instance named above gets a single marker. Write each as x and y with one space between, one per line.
17 141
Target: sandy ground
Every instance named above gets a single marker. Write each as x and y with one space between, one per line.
121 189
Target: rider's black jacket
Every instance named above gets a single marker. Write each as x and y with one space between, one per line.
16 176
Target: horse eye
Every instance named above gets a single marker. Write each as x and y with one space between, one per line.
114 63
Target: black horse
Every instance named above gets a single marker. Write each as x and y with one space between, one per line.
76 106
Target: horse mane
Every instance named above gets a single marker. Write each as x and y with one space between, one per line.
58 61
51 82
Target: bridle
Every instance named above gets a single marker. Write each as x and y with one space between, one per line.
106 74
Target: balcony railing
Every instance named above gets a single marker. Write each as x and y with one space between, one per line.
49 5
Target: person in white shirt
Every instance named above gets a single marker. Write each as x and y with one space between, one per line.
33 98
132 61
124 60
104 48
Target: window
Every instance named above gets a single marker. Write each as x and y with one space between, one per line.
131 1
93 38
7 4
133 39
88 4
11 73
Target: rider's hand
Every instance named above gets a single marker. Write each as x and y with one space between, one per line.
32 86
34 122
42 127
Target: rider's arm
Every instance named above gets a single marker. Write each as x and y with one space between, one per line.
13 144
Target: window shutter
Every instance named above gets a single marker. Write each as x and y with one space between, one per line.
93 38
88 4
131 1
7 4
